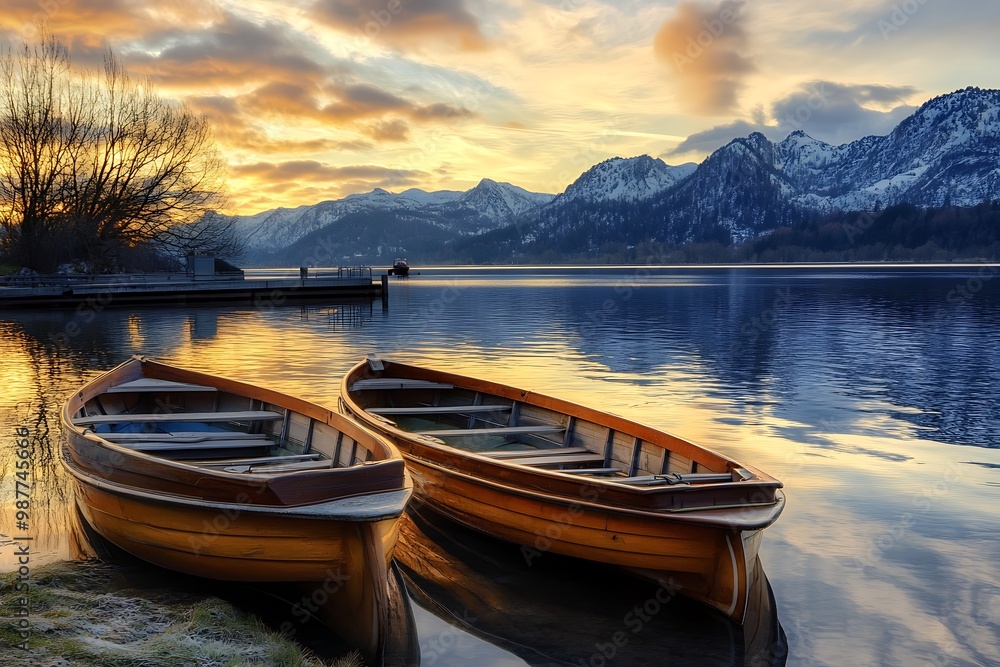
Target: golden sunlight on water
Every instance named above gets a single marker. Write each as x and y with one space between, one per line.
33 502
15 369
871 402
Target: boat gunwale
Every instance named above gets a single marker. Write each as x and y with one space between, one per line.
325 415
288 511
255 481
563 406
255 477
700 515
620 424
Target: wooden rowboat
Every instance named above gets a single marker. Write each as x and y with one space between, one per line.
555 476
225 480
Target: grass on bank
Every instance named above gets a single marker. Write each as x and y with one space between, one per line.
80 618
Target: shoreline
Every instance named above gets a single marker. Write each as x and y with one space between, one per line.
83 613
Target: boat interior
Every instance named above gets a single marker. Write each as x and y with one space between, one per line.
208 427
518 432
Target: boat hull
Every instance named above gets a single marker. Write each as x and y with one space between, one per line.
698 544
234 545
707 563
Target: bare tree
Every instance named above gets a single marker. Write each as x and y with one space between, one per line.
104 163
34 100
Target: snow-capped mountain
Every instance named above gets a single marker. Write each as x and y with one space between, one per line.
946 152
626 179
500 202
487 206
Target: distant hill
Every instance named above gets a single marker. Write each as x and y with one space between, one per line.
945 156
380 225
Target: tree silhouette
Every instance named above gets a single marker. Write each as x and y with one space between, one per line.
93 164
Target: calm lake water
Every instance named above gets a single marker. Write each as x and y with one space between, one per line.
872 393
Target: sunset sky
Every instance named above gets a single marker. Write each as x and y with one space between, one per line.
317 99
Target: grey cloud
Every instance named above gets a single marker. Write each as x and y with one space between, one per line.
832 112
405 23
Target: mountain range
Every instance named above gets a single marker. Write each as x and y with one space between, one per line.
947 153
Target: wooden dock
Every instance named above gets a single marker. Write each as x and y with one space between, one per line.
259 288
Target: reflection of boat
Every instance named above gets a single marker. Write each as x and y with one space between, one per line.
400 267
305 612
226 480
564 611
555 476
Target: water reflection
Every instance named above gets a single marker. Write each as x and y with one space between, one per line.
560 611
34 487
459 598
870 393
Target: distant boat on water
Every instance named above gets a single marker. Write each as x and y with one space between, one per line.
230 481
400 267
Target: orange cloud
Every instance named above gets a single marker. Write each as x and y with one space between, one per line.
362 111
226 52
362 100
390 130
314 171
406 24
345 104
91 21
707 50
235 129
312 181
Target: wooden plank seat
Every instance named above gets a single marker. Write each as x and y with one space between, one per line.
182 436
523 453
676 478
558 460
239 415
215 463
440 410
398 383
222 444
503 430
592 471
282 467
147 385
